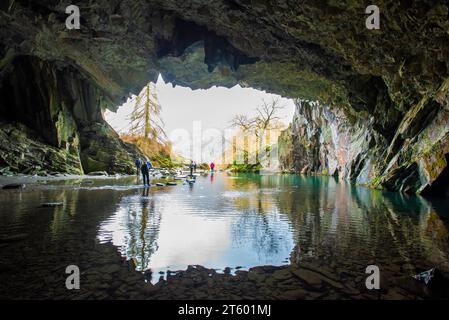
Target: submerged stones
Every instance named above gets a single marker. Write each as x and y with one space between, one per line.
98 173
51 204
14 186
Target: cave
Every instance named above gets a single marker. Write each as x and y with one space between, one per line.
369 135
58 82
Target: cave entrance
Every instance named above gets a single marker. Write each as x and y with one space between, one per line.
199 124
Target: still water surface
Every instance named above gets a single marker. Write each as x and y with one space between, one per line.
236 221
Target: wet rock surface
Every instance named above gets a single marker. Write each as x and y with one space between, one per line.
21 151
115 278
103 152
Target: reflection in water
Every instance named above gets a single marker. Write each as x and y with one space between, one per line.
143 227
137 230
250 220
221 221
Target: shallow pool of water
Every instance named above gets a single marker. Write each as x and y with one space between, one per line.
237 221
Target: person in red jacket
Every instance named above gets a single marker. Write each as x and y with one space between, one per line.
212 167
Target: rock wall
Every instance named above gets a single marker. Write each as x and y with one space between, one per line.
323 140
64 111
21 151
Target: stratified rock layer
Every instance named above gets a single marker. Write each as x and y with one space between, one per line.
391 82
322 140
20 151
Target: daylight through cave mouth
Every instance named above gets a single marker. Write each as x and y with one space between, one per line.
208 114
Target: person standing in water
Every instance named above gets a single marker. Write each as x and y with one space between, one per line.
192 165
145 174
212 167
138 165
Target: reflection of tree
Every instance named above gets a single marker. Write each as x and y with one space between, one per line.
259 221
268 235
143 223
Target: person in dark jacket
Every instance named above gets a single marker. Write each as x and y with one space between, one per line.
191 167
138 165
145 174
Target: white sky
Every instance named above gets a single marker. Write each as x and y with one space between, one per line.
184 109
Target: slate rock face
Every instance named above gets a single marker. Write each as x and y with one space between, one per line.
387 88
323 141
21 151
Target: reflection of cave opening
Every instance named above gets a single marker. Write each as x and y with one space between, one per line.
441 185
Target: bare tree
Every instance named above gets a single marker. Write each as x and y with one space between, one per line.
242 122
247 126
267 119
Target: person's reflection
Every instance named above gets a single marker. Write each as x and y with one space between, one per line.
212 177
143 227
147 230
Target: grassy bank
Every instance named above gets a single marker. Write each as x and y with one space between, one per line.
245 168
